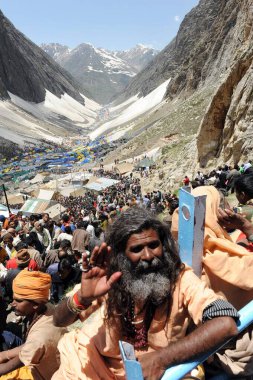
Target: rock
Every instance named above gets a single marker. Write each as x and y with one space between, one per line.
190 57
226 129
27 71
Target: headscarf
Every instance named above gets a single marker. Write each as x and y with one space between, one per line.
34 286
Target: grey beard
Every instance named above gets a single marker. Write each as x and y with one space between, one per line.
152 285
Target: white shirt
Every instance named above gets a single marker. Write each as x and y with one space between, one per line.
64 236
91 230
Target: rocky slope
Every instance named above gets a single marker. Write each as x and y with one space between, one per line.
38 98
227 127
26 71
211 54
105 73
190 56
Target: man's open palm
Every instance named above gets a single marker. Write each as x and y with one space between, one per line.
94 282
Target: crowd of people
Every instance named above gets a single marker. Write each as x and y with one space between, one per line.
115 249
223 177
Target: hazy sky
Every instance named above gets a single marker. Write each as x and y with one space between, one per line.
111 24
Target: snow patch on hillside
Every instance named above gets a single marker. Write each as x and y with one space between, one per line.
113 64
64 106
124 104
21 120
139 107
16 126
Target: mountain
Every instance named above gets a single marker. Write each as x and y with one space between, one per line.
105 73
192 55
138 57
192 103
192 106
209 69
26 71
39 99
56 51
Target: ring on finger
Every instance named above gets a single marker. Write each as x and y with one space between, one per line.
89 267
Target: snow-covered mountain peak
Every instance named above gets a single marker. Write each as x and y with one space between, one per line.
105 73
56 50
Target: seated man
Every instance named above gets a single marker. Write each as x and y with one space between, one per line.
39 352
152 299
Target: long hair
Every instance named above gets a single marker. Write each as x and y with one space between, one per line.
132 221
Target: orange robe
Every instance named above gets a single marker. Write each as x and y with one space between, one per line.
228 270
93 353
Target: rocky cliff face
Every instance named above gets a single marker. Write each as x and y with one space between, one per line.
190 57
227 127
27 71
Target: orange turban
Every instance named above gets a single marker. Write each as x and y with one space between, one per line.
32 286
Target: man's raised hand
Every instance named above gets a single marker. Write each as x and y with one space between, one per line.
94 282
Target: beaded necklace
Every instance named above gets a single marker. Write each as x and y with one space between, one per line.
139 336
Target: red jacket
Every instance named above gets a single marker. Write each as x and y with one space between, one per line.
12 264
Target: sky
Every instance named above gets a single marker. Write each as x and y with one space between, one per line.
111 24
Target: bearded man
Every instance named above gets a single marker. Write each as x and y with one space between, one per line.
152 298
43 235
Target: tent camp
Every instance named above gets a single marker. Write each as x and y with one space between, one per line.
14 199
71 191
46 194
4 211
55 211
38 178
36 206
124 167
145 163
100 184
52 185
